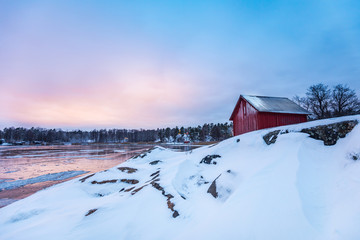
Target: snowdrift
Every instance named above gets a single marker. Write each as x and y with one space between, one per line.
293 182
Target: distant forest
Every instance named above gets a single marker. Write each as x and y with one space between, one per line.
205 133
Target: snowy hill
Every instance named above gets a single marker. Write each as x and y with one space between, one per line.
293 182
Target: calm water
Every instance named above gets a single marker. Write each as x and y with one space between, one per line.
20 164
28 162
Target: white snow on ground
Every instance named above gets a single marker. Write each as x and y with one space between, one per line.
296 188
43 178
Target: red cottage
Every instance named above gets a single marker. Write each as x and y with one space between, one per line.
259 112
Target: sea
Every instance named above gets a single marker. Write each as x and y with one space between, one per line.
25 170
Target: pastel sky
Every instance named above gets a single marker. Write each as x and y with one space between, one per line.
148 64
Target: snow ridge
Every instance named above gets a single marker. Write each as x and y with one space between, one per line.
296 187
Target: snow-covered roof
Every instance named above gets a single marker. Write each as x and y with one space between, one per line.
272 104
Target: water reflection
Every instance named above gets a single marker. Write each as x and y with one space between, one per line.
25 162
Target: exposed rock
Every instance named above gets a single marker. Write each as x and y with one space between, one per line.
138 189
127 169
355 157
157 186
208 159
91 211
155 173
156 176
89 176
329 134
171 205
129 189
175 214
332 132
141 155
285 131
154 162
144 153
271 137
168 196
212 188
130 181
105 181
154 179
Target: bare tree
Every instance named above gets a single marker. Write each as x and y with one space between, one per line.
319 99
344 101
302 101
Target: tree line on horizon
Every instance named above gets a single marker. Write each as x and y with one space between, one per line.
204 133
325 102
320 100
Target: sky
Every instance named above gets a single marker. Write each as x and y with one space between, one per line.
149 64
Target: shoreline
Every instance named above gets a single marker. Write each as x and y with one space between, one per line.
109 144
47 165
12 195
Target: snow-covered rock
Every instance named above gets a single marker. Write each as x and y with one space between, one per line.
290 182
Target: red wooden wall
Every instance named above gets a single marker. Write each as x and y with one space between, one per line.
247 119
268 120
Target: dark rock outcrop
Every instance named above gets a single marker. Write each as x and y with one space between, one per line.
212 188
209 159
175 214
105 181
129 189
127 169
154 162
84 178
355 156
158 187
155 173
91 211
271 137
168 196
137 189
141 155
130 181
144 153
330 133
